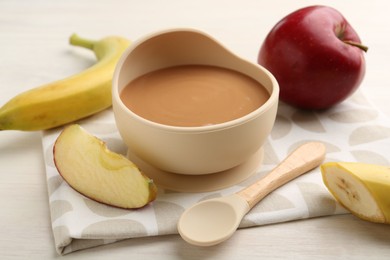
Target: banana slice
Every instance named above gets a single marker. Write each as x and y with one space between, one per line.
363 189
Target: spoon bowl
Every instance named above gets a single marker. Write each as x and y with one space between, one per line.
213 221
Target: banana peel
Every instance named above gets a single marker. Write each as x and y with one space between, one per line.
363 189
69 99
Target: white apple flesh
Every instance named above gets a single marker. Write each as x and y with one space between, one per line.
87 165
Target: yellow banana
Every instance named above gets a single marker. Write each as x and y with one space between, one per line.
69 99
363 189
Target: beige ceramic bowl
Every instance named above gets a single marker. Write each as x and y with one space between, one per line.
190 150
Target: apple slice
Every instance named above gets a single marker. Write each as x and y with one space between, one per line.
87 165
363 189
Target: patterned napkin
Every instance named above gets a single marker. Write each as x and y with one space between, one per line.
353 131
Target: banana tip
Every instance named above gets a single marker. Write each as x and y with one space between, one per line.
76 40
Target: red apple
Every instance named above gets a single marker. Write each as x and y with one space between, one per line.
316 56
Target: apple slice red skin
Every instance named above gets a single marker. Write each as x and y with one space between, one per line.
152 187
308 53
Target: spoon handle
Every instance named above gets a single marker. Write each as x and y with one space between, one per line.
303 159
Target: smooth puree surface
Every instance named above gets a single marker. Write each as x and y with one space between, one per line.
193 95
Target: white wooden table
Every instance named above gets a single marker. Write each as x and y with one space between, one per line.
34 50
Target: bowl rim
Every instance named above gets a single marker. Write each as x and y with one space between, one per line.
274 95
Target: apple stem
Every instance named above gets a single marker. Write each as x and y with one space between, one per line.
82 42
357 44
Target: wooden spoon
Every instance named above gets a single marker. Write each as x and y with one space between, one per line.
213 221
